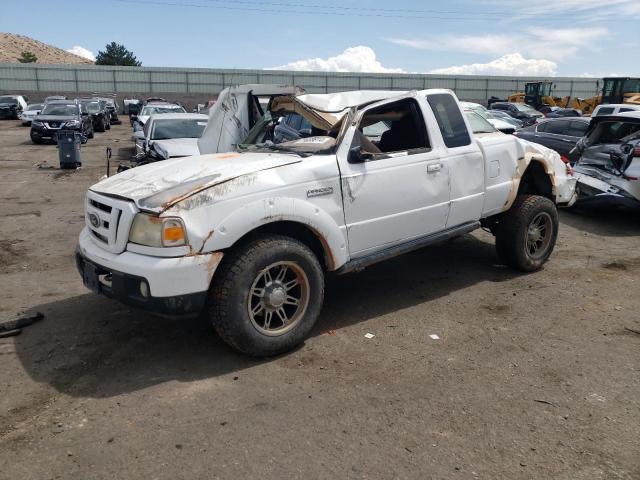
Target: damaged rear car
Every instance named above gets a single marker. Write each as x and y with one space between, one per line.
608 168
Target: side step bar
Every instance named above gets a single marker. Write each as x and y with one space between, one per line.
361 263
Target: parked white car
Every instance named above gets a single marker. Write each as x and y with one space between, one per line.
246 237
170 135
614 108
155 108
29 113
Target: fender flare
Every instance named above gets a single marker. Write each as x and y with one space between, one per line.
272 210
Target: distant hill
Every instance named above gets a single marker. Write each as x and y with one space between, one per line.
12 46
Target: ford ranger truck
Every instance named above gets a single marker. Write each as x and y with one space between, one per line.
246 238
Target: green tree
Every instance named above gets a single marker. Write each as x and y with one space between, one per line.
27 57
116 54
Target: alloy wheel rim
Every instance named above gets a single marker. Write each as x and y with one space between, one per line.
539 234
278 298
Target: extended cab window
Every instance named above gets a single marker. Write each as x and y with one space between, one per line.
395 127
558 128
449 117
578 129
605 111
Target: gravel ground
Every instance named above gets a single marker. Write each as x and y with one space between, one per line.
533 376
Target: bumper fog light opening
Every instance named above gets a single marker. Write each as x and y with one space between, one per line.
144 289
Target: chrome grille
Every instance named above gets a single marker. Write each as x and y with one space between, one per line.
109 220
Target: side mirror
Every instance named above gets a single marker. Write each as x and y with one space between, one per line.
356 155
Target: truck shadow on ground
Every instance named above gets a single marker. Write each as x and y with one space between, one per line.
90 346
606 221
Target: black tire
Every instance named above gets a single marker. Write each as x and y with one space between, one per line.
236 278
91 133
527 233
101 126
36 140
108 126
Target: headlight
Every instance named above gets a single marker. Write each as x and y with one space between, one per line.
157 231
36 123
72 123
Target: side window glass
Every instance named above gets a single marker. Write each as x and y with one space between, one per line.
391 128
450 120
542 127
578 129
605 111
558 128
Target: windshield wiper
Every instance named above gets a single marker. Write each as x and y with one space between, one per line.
275 147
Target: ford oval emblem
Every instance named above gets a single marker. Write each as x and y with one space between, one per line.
94 220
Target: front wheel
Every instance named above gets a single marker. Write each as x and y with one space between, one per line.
267 295
527 233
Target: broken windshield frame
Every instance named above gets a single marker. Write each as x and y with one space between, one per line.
260 131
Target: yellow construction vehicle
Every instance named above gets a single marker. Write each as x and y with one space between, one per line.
614 90
538 95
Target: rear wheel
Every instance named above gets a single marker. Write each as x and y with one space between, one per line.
267 295
527 233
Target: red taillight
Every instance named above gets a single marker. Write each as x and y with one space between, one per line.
636 152
569 168
564 158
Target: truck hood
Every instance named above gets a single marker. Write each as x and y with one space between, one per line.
158 186
177 147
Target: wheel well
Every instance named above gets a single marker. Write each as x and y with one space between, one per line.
535 181
300 232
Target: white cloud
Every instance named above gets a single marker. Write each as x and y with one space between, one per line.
512 64
82 52
554 44
354 59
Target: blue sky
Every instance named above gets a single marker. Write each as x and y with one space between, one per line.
544 37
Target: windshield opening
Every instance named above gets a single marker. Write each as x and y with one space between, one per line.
286 130
65 110
479 124
91 107
10 100
166 129
162 109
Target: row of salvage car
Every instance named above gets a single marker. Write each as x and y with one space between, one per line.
603 149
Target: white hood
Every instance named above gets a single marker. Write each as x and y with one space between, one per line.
177 147
159 185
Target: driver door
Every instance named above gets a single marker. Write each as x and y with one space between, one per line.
395 186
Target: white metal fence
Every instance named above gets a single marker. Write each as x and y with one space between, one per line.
90 78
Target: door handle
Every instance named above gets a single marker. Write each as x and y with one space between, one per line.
434 167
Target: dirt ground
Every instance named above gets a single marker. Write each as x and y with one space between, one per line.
533 377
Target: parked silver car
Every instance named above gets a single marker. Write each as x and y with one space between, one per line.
608 169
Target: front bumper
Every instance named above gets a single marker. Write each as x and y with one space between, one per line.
49 134
176 286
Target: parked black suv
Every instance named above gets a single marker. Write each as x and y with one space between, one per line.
112 107
60 115
527 114
98 112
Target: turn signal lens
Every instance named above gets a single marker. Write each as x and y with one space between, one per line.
173 234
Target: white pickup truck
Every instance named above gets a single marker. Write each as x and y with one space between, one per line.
246 237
